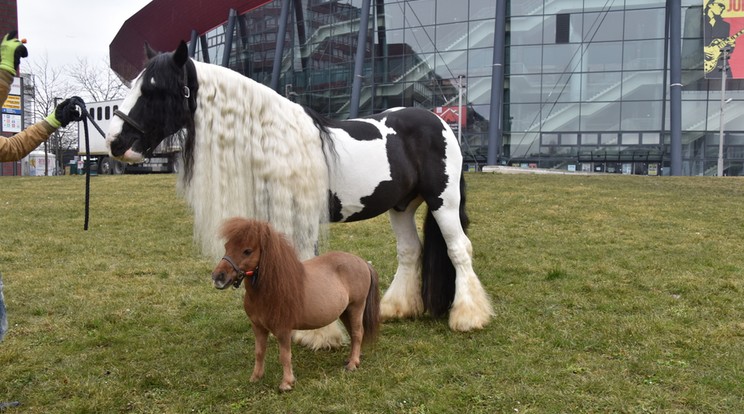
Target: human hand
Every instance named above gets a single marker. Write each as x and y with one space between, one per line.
67 111
11 52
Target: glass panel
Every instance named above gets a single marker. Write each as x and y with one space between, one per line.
450 65
480 62
644 54
524 88
569 139
589 139
651 138
694 115
596 5
524 7
452 36
601 86
638 116
600 27
644 24
630 139
524 59
394 16
479 90
564 87
643 85
574 35
526 30
420 12
641 4
421 39
561 58
600 116
482 9
603 57
560 117
481 33
452 11
523 116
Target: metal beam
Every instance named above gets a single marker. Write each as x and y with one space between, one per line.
675 84
229 31
495 127
356 86
279 51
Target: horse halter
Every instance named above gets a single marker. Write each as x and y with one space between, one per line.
252 274
186 95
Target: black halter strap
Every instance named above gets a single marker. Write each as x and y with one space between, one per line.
252 274
132 123
185 90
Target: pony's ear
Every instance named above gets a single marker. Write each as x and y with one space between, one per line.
149 51
181 55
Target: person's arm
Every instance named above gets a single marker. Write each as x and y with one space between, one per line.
22 143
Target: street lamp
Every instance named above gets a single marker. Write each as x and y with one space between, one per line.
725 54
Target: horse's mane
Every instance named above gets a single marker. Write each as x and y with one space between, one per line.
279 286
255 154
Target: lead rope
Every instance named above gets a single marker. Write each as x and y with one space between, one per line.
86 116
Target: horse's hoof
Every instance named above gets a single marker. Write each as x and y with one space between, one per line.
465 318
352 366
284 387
390 309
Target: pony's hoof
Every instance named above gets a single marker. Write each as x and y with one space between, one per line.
352 366
285 386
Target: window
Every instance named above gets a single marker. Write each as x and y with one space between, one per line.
562 28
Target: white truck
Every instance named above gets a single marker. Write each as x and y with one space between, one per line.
164 159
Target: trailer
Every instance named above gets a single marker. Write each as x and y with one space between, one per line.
164 159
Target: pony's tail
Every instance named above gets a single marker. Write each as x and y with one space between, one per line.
437 271
371 318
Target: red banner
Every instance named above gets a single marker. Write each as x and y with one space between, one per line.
723 24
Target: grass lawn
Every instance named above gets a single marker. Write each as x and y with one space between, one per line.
612 294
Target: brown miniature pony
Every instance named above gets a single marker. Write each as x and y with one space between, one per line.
283 294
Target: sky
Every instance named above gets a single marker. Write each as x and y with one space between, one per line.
67 30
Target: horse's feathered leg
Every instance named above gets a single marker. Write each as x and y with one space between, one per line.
261 336
285 357
471 307
403 298
327 337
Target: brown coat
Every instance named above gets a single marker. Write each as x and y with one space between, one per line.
22 143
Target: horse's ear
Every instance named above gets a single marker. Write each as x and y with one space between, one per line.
149 51
181 55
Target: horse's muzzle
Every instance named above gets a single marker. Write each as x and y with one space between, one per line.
220 280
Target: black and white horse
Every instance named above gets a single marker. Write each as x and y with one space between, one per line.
247 151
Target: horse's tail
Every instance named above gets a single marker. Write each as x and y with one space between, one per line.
371 318
437 271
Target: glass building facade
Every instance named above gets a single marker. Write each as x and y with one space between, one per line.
585 85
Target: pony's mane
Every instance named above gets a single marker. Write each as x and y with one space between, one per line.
279 286
255 154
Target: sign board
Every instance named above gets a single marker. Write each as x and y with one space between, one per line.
12 111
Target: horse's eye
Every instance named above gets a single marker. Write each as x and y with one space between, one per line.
247 252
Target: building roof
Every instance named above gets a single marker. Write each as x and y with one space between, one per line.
163 24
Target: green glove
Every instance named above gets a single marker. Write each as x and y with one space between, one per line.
11 52
67 111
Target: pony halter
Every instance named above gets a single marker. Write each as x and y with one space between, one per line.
252 274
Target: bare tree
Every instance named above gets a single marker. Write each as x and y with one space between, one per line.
50 88
97 81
